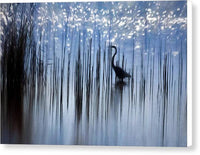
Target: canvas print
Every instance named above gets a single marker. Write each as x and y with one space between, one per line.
94 73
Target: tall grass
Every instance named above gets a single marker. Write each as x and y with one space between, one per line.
72 96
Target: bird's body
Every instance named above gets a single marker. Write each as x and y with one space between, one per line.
120 73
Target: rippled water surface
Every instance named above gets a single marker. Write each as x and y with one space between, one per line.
58 85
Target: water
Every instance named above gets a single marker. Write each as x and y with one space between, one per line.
58 86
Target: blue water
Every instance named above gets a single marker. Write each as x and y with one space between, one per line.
75 97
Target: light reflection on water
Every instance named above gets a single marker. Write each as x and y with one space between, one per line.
75 98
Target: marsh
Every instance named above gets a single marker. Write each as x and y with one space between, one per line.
58 85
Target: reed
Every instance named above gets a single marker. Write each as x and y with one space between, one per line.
61 84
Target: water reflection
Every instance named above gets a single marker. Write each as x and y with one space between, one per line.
57 82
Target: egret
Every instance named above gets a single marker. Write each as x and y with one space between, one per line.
120 73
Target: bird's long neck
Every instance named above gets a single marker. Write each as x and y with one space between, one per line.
113 65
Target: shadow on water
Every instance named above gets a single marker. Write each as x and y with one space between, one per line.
120 84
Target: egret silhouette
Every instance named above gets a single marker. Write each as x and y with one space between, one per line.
120 73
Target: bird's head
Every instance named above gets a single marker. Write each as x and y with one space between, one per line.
112 46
